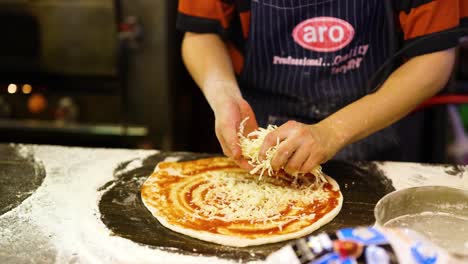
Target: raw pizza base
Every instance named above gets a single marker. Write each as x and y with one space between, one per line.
159 204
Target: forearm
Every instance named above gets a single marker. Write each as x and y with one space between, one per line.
412 83
208 61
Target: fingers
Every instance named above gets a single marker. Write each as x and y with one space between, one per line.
222 142
227 136
312 161
285 152
280 134
226 132
227 125
246 111
300 149
300 156
244 164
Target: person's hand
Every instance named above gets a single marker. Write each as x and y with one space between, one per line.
229 113
301 148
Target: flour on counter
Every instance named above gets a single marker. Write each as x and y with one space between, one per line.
172 159
23 151
137 163
60 222
405 175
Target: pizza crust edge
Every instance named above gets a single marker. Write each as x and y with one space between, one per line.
235 241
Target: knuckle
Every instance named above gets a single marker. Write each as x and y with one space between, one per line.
303 133
322 154
276 160
224 123
303 169
290 171
307 167
270 139
310 146
291 123
283 154
280 159
287 125
276 165
225 151
293 166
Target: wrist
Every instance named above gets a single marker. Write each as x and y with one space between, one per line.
336 139
220 93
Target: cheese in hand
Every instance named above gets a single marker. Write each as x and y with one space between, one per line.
250 146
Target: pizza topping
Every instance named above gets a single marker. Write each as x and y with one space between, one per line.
215 196
251 144
233 197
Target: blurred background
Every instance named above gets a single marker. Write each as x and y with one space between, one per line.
108 73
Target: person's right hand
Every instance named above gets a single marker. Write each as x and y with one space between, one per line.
229 113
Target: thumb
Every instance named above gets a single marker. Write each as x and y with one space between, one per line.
231 139
236 151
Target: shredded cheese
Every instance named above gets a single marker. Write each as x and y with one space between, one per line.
232 196
251 144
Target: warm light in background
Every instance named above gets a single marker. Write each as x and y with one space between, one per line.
27 89
37 103
12 88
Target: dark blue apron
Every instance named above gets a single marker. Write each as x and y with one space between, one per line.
284 81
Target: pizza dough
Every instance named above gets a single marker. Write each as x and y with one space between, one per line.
214 200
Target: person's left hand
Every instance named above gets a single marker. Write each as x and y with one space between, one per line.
302 147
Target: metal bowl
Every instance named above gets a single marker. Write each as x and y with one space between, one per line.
437 212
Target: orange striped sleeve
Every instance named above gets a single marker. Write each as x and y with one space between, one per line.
218 16
464 12
203 9
245 22
429 25
205 16
431 17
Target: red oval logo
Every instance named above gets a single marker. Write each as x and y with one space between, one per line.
323 34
